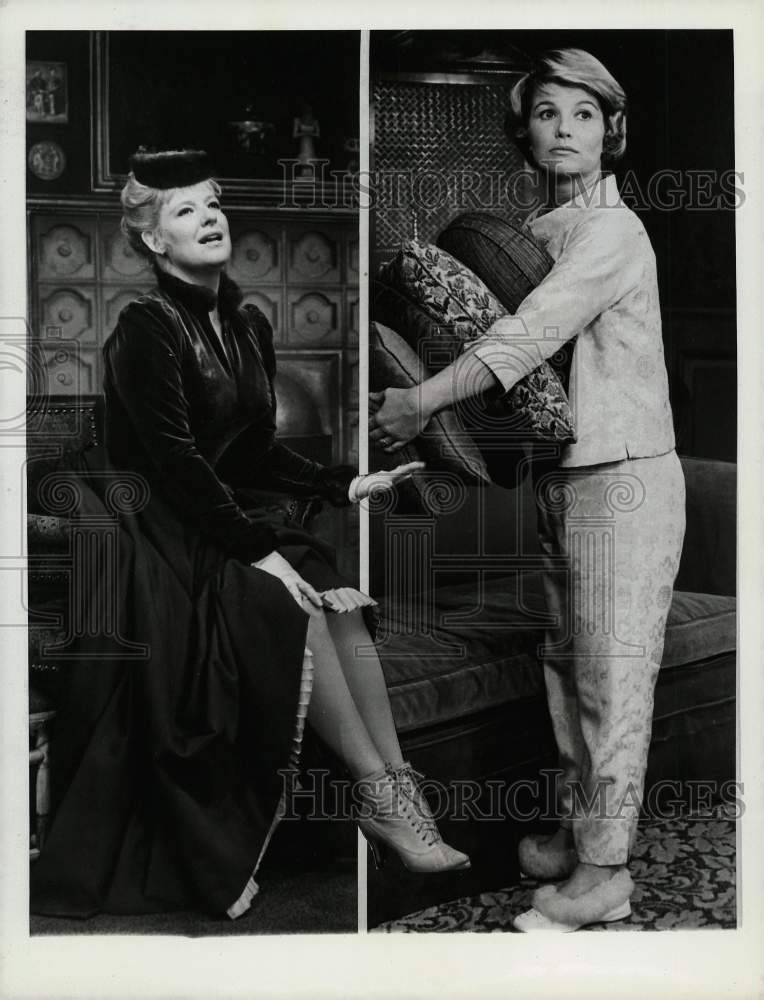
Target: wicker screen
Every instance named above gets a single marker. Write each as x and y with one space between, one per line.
439 149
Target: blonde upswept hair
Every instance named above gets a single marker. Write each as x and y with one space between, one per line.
571 68
141 206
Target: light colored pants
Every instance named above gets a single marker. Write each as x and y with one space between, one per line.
611 537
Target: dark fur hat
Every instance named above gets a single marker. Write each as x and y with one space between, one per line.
171 168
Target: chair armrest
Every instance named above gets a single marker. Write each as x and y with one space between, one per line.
709 557
47 533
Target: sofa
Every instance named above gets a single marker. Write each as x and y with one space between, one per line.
459 643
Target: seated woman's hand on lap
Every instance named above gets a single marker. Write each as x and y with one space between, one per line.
344 599
275 564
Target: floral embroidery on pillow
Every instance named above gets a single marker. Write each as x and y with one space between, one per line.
461 307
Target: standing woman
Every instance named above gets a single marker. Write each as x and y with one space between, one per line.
171 762
611 512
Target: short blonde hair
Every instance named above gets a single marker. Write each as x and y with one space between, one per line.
571 68
141 206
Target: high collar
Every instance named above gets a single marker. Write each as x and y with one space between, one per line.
198 298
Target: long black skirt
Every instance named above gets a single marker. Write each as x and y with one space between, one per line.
179 718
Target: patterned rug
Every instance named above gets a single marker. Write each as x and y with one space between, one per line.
683 870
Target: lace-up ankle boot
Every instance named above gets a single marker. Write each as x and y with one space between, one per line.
394 813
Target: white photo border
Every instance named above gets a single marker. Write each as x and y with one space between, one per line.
699 964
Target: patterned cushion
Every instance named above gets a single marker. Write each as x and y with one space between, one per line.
431 295
444 445
450 295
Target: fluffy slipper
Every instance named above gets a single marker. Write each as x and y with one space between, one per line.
544 891
536 863
607 901
532 921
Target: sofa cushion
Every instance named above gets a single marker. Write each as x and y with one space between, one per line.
460 656
443 445
467 439
699 626
508 259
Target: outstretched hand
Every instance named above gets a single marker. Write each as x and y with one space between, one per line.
375 482
396 417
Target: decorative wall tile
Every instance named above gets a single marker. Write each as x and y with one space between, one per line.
71 310
314 256
256 256
120 261
315 318
72 370
65 249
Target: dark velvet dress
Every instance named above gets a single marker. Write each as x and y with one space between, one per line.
171 754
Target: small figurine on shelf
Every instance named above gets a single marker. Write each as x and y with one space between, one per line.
307 129
252 133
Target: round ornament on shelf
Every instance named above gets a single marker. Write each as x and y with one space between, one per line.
46 160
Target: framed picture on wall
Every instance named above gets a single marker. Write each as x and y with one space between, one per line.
47 93
280 124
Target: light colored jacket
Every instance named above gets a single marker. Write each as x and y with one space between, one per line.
603 288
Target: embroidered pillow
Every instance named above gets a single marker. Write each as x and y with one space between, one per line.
439 305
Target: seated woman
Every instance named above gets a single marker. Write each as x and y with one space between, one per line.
172 763
611 511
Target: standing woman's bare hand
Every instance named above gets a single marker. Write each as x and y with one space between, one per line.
397 417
